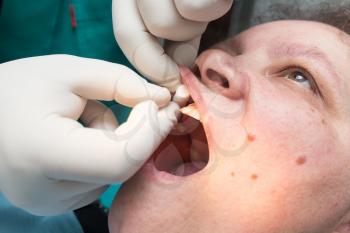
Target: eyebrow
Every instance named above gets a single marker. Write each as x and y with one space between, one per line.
294 50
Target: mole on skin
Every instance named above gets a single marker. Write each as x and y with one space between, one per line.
301 160
251 137
254 177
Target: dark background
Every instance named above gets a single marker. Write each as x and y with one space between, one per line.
234 22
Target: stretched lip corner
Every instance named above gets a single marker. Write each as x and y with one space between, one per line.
194 86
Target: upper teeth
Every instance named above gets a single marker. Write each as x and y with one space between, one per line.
191 110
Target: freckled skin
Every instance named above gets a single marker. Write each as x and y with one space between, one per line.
287 117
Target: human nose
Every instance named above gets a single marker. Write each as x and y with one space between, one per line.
223 74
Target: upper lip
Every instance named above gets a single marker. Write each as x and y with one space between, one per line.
195 88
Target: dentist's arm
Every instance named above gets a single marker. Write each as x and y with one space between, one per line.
139 24
59 148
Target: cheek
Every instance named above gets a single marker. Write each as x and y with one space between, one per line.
291 152
296 143
285 168
294 124
296 153
278 117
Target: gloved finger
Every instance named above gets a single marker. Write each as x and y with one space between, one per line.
184 53
181 96
167 23
63 197
65 190
141 48
100 80
203 10
98 116
102 157
84 199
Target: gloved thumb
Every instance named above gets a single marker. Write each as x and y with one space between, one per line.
145 129
110 157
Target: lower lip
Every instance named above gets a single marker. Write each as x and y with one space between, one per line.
152 173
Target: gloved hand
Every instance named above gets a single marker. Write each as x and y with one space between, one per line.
49 161
138 24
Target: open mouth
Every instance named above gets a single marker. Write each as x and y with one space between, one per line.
185 151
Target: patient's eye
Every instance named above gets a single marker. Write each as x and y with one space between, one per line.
301 77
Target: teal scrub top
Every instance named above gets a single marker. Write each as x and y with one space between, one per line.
42 27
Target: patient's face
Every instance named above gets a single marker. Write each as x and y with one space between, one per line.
274 102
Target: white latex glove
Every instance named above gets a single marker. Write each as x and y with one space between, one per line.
139 24
51 163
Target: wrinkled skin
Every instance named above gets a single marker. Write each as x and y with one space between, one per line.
279 152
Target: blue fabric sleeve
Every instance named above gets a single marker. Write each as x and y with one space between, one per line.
16 220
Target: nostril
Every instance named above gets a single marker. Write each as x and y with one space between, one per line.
217 78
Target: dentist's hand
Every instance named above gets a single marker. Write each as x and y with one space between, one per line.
49 161
139 24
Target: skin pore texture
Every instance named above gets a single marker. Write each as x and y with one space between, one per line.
275 106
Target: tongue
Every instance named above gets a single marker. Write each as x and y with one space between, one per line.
183 152
183 169
186 169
